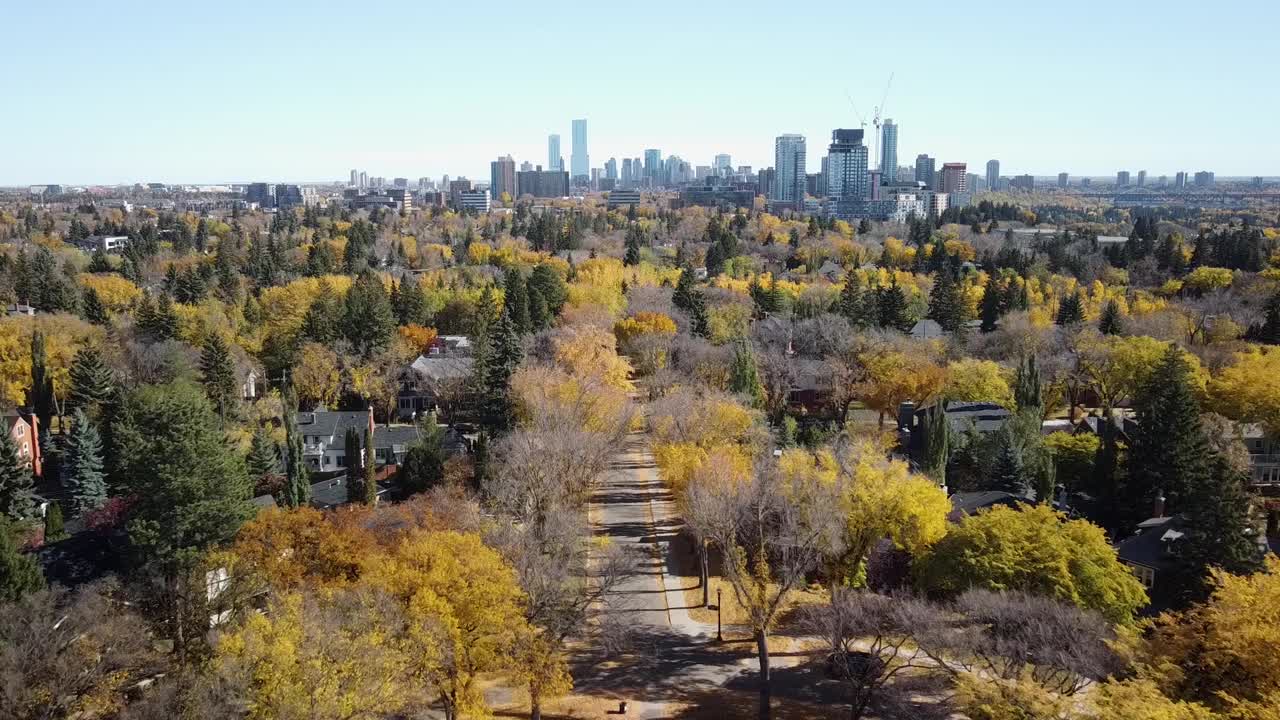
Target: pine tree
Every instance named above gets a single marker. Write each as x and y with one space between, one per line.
744 377
297 488
82 471
698 320
354 458
1169 452
20 574
423 466
852 303
218 374
1220 531
502 358
92 309
539 315
16 494
370 484
1008 473
1110 322
992 305
264 456
40 396
1070 310
550 286
632 255
937 442
946 304
1269 332
411 306
367 318
92 382
516 299
1026 384
892 306
682 298
165 324
323 322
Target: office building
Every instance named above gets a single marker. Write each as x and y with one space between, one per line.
653 165
1023 182
1122 178
1204 179
1063 180
993 175
974 182
553 152
364 179
355 178
765 182
789 157
261 194
723 165
1180 180
526 166
289 196
623 198
1142 178
400 182
627 173
579 160
611 169
456 188
889 152
543 183
402 198
953 178
847 173
924 170
502 178
477 200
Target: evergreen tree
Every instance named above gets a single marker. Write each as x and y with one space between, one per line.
55 527
92 382
1269 332
1008 473
218 374
632 254
852 303
682 298
946 302
1070 310
370 484
1110 322
20 574
992 305
297 488
502 358
367 318
539 315
516 299
92 309
1220 531
1169 451
1026 385
40 396
411 303
698 320
548 283
354 458
1107 483
163 323
82 471
744 377
937 442
324 322
423 466
891 303
264 456
98 263
17 500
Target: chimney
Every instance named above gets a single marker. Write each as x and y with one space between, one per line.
1159 508
37 464
906 415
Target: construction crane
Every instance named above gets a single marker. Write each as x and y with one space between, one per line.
876 122
862 119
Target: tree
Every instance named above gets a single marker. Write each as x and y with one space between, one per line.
1246 390
550 286
1026 385
1110 322
323 322
1070 310
423 466
411 306
992 305
17 501
971 380
367 318
92 382
1034 549
936 430
1007 473
894 377
297 488
82 470
891 305
353 456
40 397
370 484
946 302
493 376
1169 454
1269 331
264 456
632 254
92 309
1221 531
218 374
744 378
852 305
515 301
20 574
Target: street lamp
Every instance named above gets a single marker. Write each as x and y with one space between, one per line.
719 635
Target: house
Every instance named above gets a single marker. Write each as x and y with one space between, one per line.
20 310
336 491
249 386
324 438
25 433
434 381
1264 455
972 503
1152 555
982 417
105 243
927 329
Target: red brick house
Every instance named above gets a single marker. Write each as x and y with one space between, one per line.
25 432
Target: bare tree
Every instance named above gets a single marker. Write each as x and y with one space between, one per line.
869 639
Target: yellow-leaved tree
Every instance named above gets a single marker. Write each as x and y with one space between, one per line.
972 380
1248 390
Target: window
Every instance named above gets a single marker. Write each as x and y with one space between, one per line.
342 461
22 430
327 461
1145 575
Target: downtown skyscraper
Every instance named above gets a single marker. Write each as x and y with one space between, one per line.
555 160
788 161
889 152
579 160
993 175
847 173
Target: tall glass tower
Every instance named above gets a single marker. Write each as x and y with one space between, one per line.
788 162
553 152
579 161
889 152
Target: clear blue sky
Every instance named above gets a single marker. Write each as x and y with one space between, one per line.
106 92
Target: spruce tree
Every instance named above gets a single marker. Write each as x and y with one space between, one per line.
632 254
411 306
370 484
539 315
355 461
502 358
297 488
218 374
165 323
1169 451
367 318
892 307
852 303
744 377
1110 323
946 303
1070 310
423 466
17 500
937 442
323 321
550 286
1026 384
82 471
1008 472
20 574
1269 332
92 309
682 298
92 382
264 456
699 323
1220 531
55 527
516 299
40 396
992 305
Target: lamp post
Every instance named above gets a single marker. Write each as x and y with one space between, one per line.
719 635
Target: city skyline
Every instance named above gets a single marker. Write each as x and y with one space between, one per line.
186 105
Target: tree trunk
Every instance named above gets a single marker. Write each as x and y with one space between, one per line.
705 579
535 708
762 648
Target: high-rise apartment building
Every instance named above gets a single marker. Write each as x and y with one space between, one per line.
993 175
364 179
765 182
1142 178
1204 179
1180 180
789 155
526 166
502 178
847 173
1023 182
553 152
1063 180
355 178
628 176
543 183
889 152
953 178
723 165
925 170
261 193
611 169
1122 178
579 160
653 166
